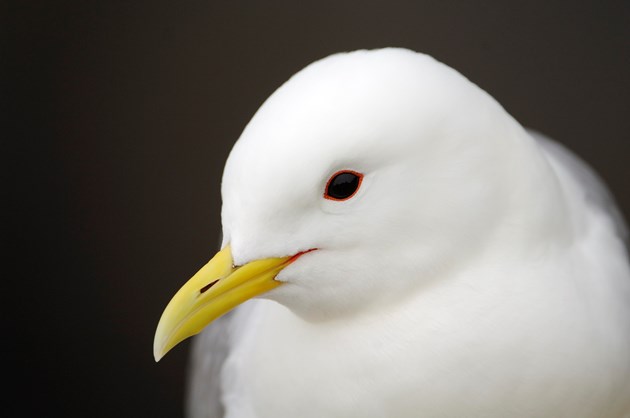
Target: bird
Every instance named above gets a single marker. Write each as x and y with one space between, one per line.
396 244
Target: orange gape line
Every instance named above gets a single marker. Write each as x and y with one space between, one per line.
298 255
356 173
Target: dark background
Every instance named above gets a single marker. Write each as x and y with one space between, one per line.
121 115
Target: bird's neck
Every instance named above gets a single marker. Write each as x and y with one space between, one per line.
537 216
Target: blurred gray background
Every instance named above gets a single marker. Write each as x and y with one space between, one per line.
120 115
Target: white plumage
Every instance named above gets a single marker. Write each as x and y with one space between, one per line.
480 270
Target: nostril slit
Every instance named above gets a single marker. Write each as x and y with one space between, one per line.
208 286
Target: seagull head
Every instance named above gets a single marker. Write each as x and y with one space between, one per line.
364 178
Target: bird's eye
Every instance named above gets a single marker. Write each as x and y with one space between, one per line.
343 185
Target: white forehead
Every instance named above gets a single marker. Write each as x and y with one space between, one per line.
362 105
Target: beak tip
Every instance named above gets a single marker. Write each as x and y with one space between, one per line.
158 354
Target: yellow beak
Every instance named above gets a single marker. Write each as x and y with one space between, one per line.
216 289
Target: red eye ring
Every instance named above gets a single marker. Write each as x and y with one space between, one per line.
343 185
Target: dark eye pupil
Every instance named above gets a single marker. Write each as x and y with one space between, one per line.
343 185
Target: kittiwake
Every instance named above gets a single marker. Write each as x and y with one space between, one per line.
414 251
